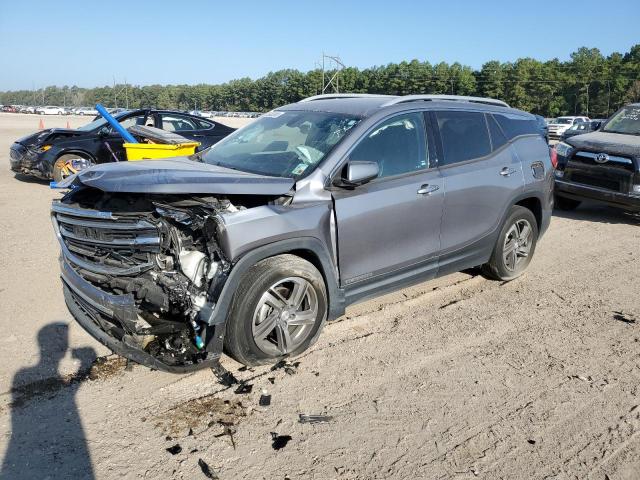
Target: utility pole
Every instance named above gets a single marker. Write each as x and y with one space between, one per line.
608 96
333 83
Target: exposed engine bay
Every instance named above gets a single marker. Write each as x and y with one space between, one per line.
160 250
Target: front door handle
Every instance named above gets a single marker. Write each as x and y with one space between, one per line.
507 171
427 189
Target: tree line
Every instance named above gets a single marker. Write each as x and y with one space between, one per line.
588 84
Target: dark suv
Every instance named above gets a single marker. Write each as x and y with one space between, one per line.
278 227
603 166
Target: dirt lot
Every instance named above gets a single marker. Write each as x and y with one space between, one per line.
457 378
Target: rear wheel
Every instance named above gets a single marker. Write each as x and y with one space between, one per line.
564 203
515 246
67 165
278 311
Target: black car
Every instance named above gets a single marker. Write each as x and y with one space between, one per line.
44 154
603 165
580 128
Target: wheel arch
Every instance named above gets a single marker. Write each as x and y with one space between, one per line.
307 248
533 204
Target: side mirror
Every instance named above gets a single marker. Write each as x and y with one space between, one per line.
104 131
358 173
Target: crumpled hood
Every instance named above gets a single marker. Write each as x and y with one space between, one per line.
48 135
611 143
176 176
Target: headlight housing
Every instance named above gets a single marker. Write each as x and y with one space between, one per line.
563 149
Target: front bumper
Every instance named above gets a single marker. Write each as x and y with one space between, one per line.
24 160
582 192
93 308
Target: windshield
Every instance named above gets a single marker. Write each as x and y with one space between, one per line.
626 120
282 144
564 121
98 122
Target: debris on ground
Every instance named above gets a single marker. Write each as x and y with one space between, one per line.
174 450
306 418
206 469
272 380
265 398
200 413
622 317
107 367
531 442
243 388
290 368
224 376
230 430
279 441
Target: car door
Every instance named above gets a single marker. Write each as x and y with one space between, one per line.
390 227
481 176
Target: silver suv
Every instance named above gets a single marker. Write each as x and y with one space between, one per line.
250 246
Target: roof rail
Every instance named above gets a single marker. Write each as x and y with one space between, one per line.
330 96
458 98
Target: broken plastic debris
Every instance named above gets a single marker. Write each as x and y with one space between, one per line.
622 317
279 441
243 388
305 418
206 469
176 449
265 398
224 376
289 367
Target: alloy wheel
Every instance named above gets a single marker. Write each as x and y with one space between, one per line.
517 244
285 316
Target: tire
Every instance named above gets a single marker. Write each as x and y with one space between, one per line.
276 279
510 264
564 203
59 173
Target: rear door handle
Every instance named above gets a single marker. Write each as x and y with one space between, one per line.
427 189
507 171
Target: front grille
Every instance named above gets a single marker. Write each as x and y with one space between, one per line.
105 243
613 162
596 181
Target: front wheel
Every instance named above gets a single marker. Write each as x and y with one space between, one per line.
515 246
67 165
278 310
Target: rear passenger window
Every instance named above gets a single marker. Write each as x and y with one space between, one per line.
464 136
516 125
497 137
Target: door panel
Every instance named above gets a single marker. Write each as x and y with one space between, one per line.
477 194
387 225
481 174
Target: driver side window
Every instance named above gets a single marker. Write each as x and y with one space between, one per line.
397 145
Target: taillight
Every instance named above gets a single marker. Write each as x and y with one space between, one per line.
554 157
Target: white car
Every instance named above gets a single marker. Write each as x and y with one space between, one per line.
87 111
50 110
559 125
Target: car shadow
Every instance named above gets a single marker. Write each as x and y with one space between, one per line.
594 212
21 177
47 438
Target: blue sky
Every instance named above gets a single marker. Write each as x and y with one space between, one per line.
87 43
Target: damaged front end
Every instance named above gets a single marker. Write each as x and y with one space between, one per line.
141 272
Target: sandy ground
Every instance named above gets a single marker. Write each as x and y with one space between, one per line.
458 378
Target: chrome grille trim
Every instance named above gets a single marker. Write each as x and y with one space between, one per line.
97 231
612 158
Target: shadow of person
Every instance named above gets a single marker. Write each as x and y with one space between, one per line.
47 439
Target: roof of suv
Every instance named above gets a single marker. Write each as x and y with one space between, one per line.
364 105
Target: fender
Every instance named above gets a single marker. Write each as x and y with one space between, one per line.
217 316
